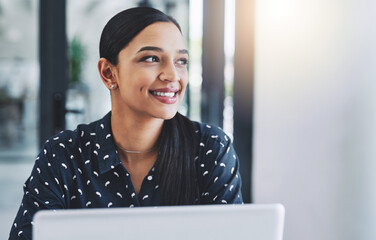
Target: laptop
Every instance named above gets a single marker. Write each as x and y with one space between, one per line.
206 222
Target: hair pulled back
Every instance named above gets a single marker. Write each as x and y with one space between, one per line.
124 26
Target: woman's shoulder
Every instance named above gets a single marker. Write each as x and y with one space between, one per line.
70 150
211 132
68 138
81 135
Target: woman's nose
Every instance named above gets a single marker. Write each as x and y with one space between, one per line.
169 73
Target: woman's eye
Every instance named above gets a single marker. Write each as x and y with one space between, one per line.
182 61
150 59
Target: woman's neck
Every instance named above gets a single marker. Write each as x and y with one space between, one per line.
135 133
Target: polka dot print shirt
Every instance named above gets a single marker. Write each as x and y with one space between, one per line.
82 169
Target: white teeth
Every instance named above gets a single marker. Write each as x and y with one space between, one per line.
164 94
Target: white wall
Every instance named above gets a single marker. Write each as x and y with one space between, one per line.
315 115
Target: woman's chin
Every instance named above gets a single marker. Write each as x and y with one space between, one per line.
166 115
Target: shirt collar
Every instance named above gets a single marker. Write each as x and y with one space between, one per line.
108 157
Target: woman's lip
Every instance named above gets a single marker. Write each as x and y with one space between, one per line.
166 99
165 90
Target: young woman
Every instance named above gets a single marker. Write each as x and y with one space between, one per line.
143 152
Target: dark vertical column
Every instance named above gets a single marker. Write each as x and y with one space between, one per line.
53 67
213 61
243 91
144 3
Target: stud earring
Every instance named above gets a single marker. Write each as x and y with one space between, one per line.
112 86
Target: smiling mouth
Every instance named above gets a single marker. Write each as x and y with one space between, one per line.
163 94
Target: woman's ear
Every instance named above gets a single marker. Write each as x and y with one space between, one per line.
107 71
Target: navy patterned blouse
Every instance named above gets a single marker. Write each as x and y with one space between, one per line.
82 169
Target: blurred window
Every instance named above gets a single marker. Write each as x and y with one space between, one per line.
19 100
19 79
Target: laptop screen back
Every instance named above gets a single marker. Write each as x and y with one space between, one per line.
218 222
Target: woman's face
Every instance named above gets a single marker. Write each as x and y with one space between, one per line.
152 72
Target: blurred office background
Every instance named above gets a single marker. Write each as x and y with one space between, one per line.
292 81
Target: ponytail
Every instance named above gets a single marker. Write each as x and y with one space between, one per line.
175 166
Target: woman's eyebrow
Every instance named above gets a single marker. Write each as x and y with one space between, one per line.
158 49
183 51
150 48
